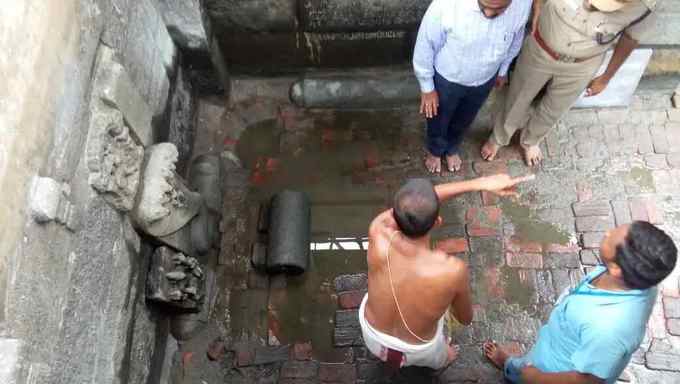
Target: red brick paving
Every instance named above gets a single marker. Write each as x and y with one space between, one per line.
524 260
489 198
302 351
453 246
483 221
514 244
561 248
337 373
350 299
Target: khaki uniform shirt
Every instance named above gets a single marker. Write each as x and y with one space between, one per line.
569 29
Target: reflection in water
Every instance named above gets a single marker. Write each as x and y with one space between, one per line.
336 158
340 243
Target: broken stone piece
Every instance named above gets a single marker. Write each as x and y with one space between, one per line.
190 290
175 285
179 258
164 204
175 275
45 197
114 158
175 295
216 350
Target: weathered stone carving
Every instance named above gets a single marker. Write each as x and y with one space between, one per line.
175 280
120 125
164 204
114 160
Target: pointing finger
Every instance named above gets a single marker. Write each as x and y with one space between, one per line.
522 179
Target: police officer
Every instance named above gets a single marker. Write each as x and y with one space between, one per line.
566 48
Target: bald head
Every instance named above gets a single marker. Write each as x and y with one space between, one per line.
416 207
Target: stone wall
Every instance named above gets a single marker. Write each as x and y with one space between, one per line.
72 267
288 36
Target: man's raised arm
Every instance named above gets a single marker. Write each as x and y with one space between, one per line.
498 184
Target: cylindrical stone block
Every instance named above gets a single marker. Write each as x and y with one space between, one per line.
358 91
289 233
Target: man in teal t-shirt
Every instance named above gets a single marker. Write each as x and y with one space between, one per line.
596 327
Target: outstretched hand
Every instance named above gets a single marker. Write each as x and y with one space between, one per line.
503 184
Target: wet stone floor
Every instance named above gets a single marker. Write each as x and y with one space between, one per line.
602 168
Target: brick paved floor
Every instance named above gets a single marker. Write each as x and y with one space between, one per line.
603 168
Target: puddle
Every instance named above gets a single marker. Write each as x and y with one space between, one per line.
529 228
336 158
304 310
641 177
329 149
517 289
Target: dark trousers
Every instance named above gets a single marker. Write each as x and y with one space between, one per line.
458 106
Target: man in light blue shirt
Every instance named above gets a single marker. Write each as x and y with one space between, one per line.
595 328
463 48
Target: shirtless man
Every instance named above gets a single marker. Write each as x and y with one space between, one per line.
411 286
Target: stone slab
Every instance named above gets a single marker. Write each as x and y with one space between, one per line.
367 15
671 306
592 240
9 357
673 326
621 87
115 88
337 373
345 337
594 223
252 15
184 21
355 282
278 52
663 361
347 318
44 201
621 212
591 208
299 369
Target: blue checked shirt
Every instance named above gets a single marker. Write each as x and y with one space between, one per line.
463 46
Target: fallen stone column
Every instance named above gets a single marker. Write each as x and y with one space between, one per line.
289 233
354 91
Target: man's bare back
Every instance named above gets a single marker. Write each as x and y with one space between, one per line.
426 282
411 286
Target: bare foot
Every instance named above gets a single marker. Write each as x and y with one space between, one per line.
433 163
453 163
489 150
532 155
495 354
453 353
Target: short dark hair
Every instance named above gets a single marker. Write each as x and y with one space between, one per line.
416 207
646 256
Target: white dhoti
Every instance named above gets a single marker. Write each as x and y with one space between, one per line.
432 354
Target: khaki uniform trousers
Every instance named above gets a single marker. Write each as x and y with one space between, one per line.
534 69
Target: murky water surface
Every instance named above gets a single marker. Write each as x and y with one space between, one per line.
350 164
